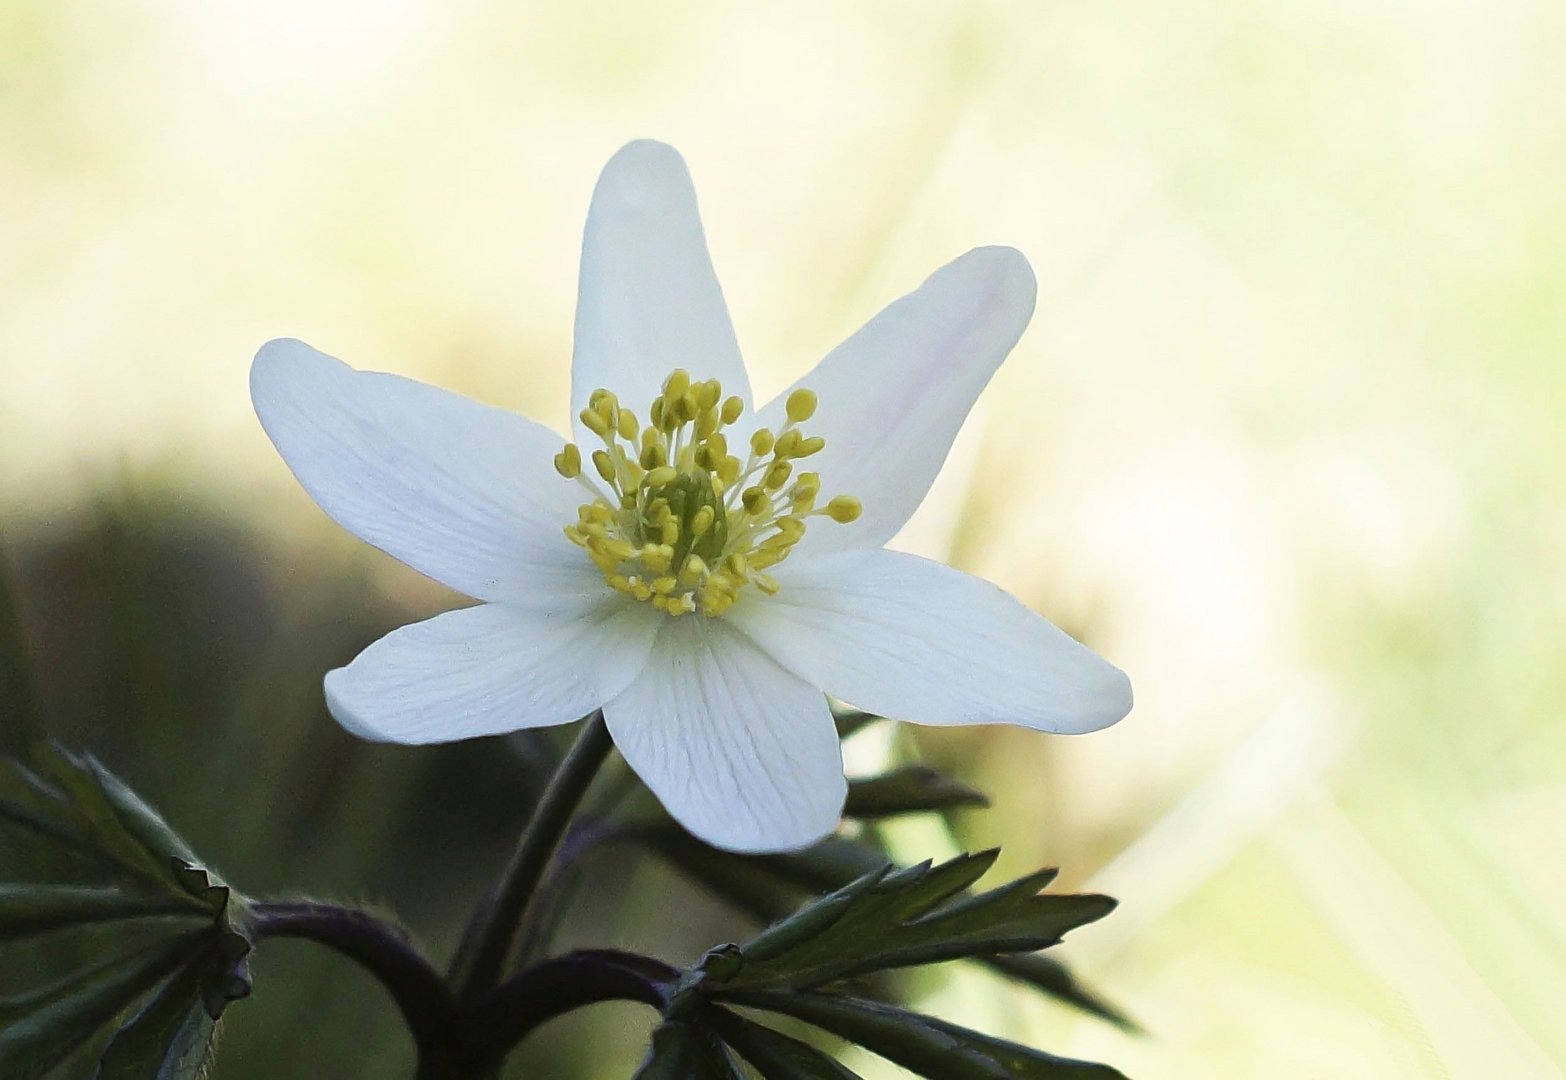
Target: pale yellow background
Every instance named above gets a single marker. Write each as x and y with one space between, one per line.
1285 440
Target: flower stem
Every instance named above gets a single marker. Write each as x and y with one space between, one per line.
493 930
427 1005
510 1012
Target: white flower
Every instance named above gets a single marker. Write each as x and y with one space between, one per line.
673 582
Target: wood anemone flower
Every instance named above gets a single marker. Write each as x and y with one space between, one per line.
705 572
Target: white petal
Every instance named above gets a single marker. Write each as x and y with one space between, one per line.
649 301
491 669
905 637
742 753
893 396
460 491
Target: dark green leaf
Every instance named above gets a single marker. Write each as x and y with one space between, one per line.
169 1039
890 919
842 931
40 1029
76 801
929 1047
225 972
811 921
1014 918
769 887
683 1051
775 1056
1050 976
139 819
750 883
36 909
97 820
754 881
27 801
911 789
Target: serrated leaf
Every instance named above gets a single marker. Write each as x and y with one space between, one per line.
40 1029
26 910
750 883
96 817
225 972
141 820
769 887
774 1055
76 801
1050 976
928 1047
906 917
28 802
1014 918
169 1039
912 789
815 938
810 921
683 1051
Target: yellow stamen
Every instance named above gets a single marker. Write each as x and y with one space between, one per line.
777 475
801 406
568 463
843 509
685 525
659 477
602 463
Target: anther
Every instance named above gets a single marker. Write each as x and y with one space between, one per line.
777 474
686 525
568 463
801 405
693 570
659 477
843 509
603 464
677 383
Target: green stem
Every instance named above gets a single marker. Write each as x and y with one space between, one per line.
427 1006
492 932
513 1010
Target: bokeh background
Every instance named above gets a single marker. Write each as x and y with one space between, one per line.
1285 441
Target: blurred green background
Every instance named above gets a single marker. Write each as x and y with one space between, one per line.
1284 441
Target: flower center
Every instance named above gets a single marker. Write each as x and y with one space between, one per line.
683 524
